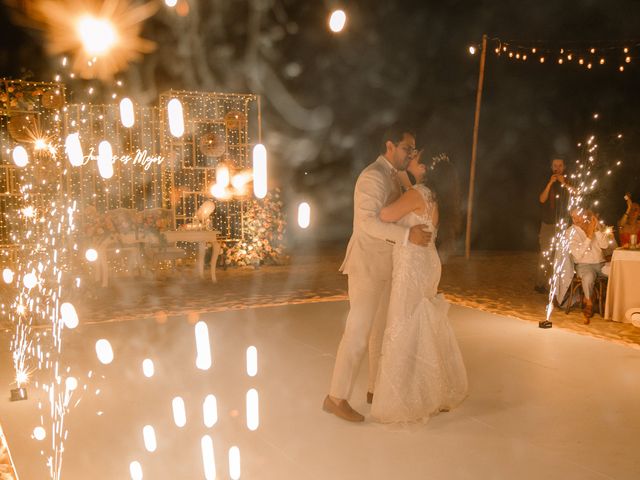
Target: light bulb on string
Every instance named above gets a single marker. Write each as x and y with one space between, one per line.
627 59
126 113
20 156
541 59
304 215
260 171
74 149
105 160
472 50
176 117
337 21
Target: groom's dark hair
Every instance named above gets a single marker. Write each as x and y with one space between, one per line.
394 134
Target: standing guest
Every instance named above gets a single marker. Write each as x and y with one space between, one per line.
629 223
554 200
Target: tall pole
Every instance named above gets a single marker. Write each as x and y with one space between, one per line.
474 148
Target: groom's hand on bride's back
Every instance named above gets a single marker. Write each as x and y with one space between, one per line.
419 235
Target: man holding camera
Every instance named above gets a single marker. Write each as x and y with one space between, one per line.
554 201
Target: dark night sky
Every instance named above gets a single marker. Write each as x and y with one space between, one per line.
408 59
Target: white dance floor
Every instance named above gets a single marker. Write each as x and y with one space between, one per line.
542 404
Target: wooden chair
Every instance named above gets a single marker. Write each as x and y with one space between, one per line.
599 292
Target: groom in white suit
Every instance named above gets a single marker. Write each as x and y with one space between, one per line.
368 264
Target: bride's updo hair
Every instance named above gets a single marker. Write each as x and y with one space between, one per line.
442 179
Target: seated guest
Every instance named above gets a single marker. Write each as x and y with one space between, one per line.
586 242
629 223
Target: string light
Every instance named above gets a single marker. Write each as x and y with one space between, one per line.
304 215
337 21
581 54
176 117
20 156
259 171
127 116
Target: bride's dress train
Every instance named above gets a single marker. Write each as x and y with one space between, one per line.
421 371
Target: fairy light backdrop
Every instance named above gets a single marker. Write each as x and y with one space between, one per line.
211 158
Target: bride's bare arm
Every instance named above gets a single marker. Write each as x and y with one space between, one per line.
409 201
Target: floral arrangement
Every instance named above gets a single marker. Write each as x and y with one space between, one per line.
21 95
151 223
264 227
120 224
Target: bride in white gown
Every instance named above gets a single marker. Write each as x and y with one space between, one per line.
421 371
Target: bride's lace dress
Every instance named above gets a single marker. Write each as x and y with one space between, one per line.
421 370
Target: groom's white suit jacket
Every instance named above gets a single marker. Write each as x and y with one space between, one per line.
369 250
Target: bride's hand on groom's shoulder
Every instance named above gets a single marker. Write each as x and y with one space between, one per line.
419 235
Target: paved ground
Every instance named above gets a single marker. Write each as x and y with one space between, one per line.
542 404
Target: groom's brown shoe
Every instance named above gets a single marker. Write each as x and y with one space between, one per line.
369 398
341 409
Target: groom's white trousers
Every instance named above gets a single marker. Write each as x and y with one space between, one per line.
369 302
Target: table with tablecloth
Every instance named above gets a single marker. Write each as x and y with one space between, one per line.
623 290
